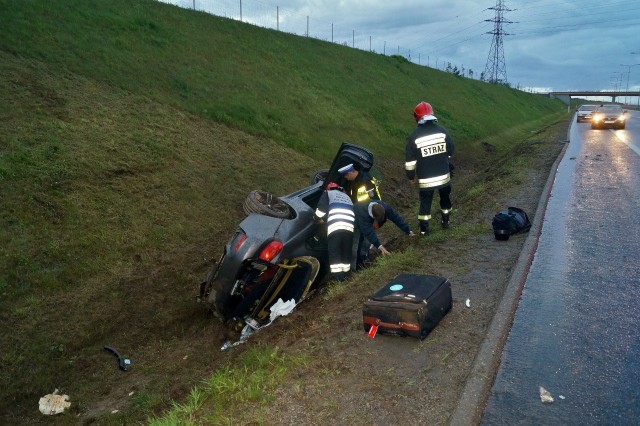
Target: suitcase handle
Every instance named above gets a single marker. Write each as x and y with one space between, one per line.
399 326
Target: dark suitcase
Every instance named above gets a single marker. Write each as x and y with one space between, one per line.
408 305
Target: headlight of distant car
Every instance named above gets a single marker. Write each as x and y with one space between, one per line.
597 117
621 118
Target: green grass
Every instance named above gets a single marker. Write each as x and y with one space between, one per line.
130 134
234 73
252 380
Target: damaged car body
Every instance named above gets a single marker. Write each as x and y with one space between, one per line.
277 251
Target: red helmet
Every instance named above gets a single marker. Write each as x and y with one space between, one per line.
421 110
332 185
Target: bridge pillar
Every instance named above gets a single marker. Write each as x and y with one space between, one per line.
566 99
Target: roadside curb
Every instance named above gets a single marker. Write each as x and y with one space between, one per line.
477 389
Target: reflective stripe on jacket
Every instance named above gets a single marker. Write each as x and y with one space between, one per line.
364 188
427 156
338 208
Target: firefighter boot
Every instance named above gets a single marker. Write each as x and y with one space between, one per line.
445 220
424 228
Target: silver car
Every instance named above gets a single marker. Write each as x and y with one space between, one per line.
585 112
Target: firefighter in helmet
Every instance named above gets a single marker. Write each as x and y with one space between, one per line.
336 209
427 153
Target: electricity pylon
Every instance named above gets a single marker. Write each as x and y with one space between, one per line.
496 71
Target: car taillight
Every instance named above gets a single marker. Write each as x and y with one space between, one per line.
240 239
271 251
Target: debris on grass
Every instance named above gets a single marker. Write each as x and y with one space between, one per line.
545 396
54 403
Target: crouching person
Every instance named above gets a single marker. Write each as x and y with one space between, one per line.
336 209
371 217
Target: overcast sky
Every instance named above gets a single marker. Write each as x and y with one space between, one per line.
548 44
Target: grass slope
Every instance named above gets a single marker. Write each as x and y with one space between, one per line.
304 92
130 133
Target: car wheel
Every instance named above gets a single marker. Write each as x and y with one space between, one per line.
319 176
266 204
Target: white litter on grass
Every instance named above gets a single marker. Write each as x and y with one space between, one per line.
278 309
114 411
244 335
468 303
131 393
561 396
545 396
281 309
53 403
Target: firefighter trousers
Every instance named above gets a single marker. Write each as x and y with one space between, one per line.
426 198
339 246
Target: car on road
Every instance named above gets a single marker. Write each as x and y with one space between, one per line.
278 251
584 112
609 116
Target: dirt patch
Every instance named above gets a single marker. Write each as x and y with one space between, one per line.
395 380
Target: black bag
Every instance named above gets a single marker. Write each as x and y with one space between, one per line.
408 305
510 221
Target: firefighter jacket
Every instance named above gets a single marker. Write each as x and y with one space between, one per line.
427 154
363 188
335 208
364 219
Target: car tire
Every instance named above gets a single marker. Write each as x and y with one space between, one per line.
266 204
319 176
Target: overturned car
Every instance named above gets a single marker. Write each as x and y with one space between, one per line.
277 251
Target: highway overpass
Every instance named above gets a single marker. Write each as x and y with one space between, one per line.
631 98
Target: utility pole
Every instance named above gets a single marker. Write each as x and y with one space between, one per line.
614 82
626 98
618 80
496 71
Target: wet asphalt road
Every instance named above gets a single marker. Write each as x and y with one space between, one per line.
576 331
